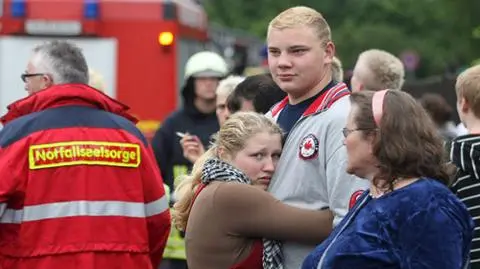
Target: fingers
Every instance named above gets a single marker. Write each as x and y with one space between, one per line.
190 138
191 144
192 147
187 137
192 150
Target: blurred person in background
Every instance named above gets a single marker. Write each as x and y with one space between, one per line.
337 70
224 89
96 80
256 93
80 185
311 170
441 113
223 205
203 72
191 145
408 218
377 70
465 152
255 70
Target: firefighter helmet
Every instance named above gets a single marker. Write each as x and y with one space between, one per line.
206 64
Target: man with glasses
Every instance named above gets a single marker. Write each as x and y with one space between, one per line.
35 81
80 186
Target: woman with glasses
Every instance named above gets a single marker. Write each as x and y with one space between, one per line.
408 218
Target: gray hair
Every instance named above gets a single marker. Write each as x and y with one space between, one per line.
383 70
226 86
62 60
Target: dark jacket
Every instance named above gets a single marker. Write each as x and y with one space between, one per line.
166 144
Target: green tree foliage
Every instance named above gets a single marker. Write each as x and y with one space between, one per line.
445 33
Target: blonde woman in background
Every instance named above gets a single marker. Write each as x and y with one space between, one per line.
223 206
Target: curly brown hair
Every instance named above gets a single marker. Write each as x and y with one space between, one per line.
406 144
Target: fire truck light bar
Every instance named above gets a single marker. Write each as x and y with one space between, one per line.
90 9
17 8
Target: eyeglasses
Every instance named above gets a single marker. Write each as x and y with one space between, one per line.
24 76
347 131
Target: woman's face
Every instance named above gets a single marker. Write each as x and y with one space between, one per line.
259 158
361 161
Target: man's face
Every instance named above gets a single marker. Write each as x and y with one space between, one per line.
35 81
297 60
221 108
205 88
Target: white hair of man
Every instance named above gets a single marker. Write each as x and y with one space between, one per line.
63 61
226 86
378 70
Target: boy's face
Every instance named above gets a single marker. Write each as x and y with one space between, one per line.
297 59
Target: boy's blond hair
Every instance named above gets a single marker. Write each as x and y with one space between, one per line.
380 70
468 87
302 16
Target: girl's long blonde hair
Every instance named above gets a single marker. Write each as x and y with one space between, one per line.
231 139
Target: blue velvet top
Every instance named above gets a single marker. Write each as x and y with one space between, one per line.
422 225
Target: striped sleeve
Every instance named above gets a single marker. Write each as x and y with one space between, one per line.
465 155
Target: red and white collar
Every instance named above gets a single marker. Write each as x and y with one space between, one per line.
322 102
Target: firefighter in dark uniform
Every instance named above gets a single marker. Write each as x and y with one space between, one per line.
197 117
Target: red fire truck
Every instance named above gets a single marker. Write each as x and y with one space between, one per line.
139 46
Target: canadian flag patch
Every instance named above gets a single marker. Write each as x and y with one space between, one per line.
308 148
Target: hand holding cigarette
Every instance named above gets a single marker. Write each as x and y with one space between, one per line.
191 145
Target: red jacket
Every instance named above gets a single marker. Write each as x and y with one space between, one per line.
79 179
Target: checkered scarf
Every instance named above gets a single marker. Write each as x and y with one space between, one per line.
215 169
272 254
